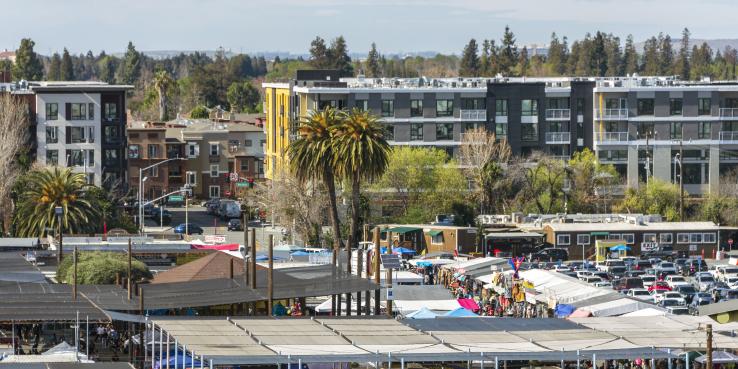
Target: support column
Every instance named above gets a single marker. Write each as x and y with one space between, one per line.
270 277
662 162
632 166
714 169
377 278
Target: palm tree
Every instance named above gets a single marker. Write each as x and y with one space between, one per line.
312 158
162 83
362 153
46 189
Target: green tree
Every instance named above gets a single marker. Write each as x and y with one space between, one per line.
543 192
599 55
101 268
46 189
106 68
651 63
523 62
590 182
557 53
666 55
508 53
27 66
199 112
163 83
67 67
701 61
243 97
681 64
319 58
614 56
54 73
373 66
470 60
339 58
131 68
658 197
630 56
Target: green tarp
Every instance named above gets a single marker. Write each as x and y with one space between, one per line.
402 230
434 233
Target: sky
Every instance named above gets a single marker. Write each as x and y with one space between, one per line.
395 25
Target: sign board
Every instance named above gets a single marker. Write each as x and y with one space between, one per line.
234 177
176 198
242 184
692 247
215 238
390 261
649 246
390 294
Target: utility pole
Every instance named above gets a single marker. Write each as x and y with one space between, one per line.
377 279
130 289
681 182
709 346
270 277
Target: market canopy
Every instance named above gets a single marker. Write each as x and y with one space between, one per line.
434 232
403 230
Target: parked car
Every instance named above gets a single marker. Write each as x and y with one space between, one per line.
669 302
727 294
603 284
688 291
648 280
591 279
731 280
551 254
627 283
235 225
723 271
189 228
676 280
665 268
640 294
677 310
634 273
701 298
161 216
673 295
229 209
642 264
704 282
659 286
561 268
609 263
692 266
211 206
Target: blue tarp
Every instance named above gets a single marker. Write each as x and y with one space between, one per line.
423 313
300 253
423 264
460 312
265 258
620 248
563 310
403 251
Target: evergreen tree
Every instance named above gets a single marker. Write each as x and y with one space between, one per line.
701 61
27 63
523 62
493 65
318 53
67 68
614 56
508 53
556 61
681 65
340 60
573 59
373 66
54 68
598 55
630 57
131 68
484 60
106 68
731 58
469 60
666 55
651 63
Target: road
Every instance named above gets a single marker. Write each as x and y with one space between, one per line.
212 225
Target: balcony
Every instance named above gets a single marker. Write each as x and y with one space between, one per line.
558 138
611 137
612 114
728 113
729 136
479 115
558 114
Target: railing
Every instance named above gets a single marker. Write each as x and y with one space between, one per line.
729 136
476 114
558 114
611 114
561 157
611 136
729 112
558 137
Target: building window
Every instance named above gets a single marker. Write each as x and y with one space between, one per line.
77 158
76 135
473 104
682 237
708 238
675 106
52 157
416 132
695 237
666 238
582 239
192 179
444 108
112 134
437 239
234 145
362 105
52 111
703 106
649 237
416 108
133 151
214 192
529 108
646 130
563 240
110 112
645 106
111 156
214 170
52 134
193 150
614 236
580 106
501 108
388 108
78 111
248 143
529 132
444 131
704 130
153 151
214 149
501 130
629 238
675 131
389 132
244 165
154 172
91 111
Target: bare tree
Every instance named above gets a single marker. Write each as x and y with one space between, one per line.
482 156
13 137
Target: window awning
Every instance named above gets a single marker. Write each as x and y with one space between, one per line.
401 230
600 233
434 233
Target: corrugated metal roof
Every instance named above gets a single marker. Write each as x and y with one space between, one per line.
611 227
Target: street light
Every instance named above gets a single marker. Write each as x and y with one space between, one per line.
140 188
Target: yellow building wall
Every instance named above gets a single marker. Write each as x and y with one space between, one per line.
277 127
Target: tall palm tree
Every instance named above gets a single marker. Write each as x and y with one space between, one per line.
162 83
312 158
362 153
48 188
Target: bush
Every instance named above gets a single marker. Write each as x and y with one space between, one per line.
100 268
199 112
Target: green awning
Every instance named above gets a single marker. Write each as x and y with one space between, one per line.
600 233
435 233
402 230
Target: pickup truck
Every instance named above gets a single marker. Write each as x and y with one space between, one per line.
608 264
663 252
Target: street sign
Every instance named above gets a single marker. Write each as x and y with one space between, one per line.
390 294
242 184
390 261
211 238
176 198
234 177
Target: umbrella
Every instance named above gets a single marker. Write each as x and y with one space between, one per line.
300 253
460 312
423 313
265 258
620 248
719 357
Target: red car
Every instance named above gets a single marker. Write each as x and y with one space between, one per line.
659 286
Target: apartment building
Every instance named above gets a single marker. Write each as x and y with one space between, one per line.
79 125
213 154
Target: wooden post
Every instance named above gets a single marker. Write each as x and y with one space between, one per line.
709 346
252 279
117 279
140 300
74 277
377 279
230 269
246 272
130 289
270 276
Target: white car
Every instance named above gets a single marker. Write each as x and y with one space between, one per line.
640 294
676 280
704 282
665 267
657 295
723 271
731 280
648 280
561 268
671 295
583 273
604 284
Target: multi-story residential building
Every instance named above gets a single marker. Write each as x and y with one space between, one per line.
79 125
211 152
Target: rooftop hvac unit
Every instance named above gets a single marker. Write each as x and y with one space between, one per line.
453 84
